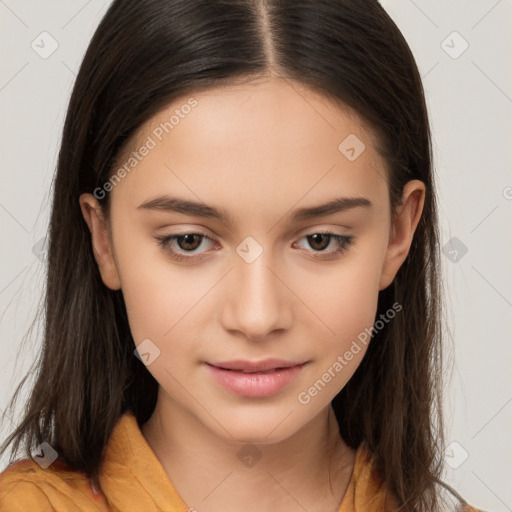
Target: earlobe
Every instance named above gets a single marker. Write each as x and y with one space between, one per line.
101 242
407 217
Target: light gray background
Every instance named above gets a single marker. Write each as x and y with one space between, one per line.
469 96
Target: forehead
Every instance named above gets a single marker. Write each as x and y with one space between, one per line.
270 142
259 110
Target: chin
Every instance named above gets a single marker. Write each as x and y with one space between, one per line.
257 426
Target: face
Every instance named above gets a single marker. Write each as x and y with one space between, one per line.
257 272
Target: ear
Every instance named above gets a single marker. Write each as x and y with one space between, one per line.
407 217
101 241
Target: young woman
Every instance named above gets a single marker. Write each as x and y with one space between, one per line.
243 300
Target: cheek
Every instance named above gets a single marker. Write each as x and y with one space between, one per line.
345 295
344 301
349 311
347 307
162 308
157 293
163 304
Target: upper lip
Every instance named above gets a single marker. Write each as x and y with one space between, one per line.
254 366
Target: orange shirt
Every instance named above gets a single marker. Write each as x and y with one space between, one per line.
133 480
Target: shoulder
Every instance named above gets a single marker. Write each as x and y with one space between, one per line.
24 485
368 491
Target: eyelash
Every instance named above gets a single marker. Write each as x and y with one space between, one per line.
342 241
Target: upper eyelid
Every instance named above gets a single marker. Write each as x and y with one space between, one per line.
193 230
325 231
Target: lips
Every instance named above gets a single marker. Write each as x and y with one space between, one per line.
255 379
265 366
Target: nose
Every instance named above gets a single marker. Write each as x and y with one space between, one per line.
256 301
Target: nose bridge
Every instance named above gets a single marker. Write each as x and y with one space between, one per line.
256 301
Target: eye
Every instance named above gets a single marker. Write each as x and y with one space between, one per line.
322 240
187 243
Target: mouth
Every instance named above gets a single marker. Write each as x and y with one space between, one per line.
255 379
265 366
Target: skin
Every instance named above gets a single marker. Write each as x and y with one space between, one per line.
260 151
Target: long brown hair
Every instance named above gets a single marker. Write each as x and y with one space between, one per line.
144 54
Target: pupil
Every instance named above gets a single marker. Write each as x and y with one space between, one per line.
317 238
188 241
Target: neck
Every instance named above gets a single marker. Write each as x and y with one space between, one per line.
309 470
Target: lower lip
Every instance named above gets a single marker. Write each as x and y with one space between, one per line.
255 385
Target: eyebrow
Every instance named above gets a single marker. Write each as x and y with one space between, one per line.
196 209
